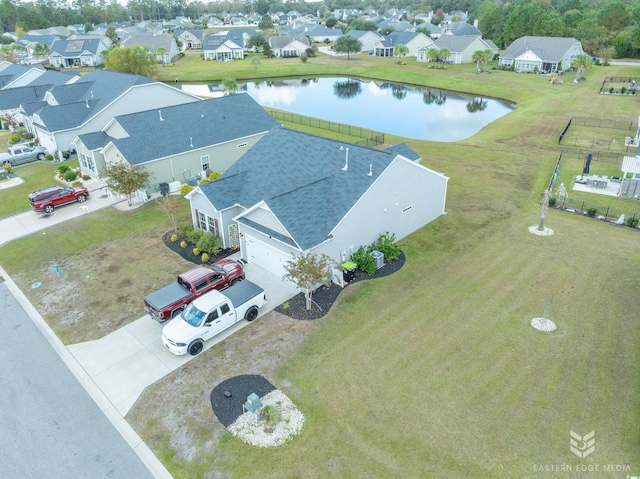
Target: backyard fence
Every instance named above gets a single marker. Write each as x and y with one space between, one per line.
556 170
603 123
598 143
603 212
369 137
565 130
604 156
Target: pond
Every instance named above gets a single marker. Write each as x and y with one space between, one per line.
413 112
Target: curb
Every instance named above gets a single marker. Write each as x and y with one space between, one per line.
148 458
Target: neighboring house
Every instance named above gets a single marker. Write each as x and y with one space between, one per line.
76 53
89 103
461 48
153 43
191 39
318 33
294 192
542 54
214 22
221 48
414 41
178 142
434 30
30 42
367 39
289 45
460 28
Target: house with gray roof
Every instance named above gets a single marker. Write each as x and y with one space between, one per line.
414 41
190 39
461 47
368 39
223 47
460 28
542 54
289 45
89 103
153 43
76 53
178 142
295 193
318 33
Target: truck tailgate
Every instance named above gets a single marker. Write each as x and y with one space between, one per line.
242 292
166 296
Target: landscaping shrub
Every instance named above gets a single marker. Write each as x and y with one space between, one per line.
304 58
209 243
184 230
623 89
196 251
592 212
203 181
184 189
183 244
204 257
70 175
76 183
195 235
215 175
633 221
552 201
174 238
611 90
63 169
386 244
364 260
48 157
271 416
14 138
86 177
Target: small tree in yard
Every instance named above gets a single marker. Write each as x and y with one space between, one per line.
307 271
170 205
126 179
347 44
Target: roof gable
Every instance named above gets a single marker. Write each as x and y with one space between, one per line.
546 48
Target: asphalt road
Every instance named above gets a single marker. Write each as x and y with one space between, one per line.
49 425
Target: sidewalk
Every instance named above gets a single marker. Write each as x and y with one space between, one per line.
29 222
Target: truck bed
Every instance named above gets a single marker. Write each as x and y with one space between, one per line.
242 292
166 296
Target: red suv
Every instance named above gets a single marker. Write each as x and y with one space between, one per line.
49 198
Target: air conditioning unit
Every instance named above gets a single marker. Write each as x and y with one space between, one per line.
378 258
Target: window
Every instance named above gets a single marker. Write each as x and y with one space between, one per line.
212 315
204 160
201 284
224 309
214 278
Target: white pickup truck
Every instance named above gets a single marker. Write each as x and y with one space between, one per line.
211 314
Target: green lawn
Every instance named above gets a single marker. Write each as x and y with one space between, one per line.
434 371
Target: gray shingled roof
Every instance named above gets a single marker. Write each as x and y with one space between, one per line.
546 48
404 150
149 41
455 43
201 124
14 97
300 178
283 40
96 140
96 89
463 28
74 48
11 72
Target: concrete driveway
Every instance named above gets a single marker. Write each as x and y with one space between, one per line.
24 224
125 362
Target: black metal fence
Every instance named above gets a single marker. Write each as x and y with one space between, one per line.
596 210
369 137
604 156
603 123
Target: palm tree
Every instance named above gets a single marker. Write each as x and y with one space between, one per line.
444 55
488 56
433 54
477 104
229 86
477 57
401 50
581 63
161 51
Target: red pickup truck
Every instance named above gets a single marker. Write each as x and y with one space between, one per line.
168 302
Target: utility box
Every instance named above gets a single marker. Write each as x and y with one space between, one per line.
192 181
378 257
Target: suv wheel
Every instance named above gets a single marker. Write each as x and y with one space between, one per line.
40 156
195 347
48 209
82 198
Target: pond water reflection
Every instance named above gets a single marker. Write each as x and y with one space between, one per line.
413 112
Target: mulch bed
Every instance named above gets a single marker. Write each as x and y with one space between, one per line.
187 253
325 296
228 409
296 307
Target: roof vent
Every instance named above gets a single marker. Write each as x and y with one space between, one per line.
87 103
160 115
91 93
346 159
370 170
191 141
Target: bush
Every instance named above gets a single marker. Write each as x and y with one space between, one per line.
386 244
209 243
184 189
592 212
183 244
623 89
633 221
304 58
196 251
194 236
552 201
215 175
63 169
86 177
271 416
14 138
76 183
204 257
174 238
611 90
204 180
364 260
48 157
70 175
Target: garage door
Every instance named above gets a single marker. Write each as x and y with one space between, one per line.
266 256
